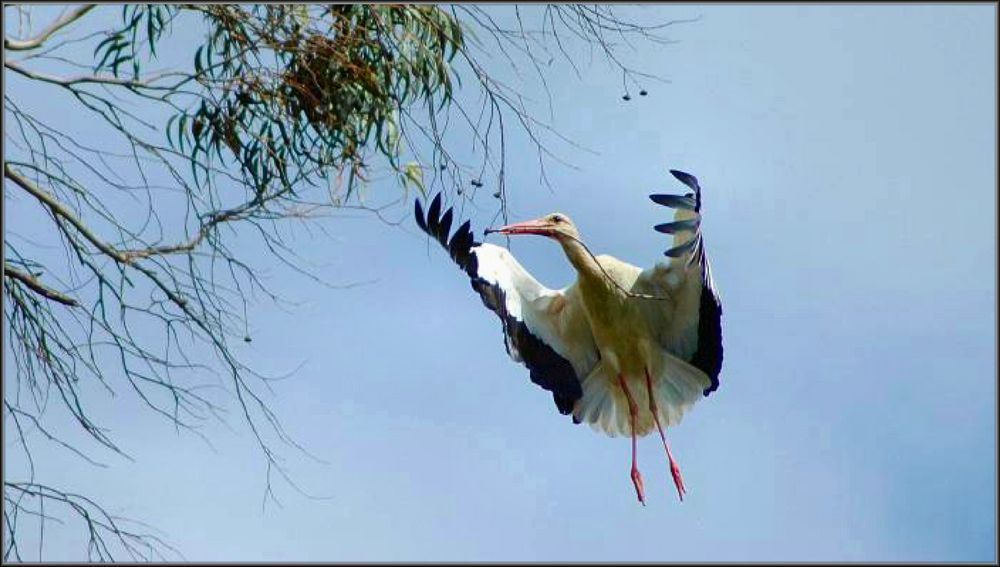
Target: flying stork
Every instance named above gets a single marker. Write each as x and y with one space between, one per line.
622 349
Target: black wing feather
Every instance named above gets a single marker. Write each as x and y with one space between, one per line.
687 179
434 217
678 251
445 228
675 201
460 245
708 357
419 213
678 226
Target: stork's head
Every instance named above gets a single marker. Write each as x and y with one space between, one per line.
556 225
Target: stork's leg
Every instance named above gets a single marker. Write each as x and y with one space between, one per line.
633 412
675 470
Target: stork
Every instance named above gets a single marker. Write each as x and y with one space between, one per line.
622 349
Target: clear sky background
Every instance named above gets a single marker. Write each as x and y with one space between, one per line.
848 159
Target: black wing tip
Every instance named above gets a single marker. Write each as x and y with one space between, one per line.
678 251
664 228
686 178
444 228
692 182
712 388
418 212
687 202
690 225
564 403
431 221
438 226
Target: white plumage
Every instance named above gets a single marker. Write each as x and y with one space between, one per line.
619 333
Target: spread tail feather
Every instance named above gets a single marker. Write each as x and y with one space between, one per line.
677 385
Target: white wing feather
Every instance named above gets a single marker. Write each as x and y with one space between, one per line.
554 316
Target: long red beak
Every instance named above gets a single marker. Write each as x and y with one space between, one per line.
528 227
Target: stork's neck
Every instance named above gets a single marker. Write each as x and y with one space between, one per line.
580 257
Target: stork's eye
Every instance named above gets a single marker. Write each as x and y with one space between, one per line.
558 218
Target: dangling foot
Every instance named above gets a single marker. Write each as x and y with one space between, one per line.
675 470
633 410
637 482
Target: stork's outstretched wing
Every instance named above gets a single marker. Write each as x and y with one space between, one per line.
543 328
689 325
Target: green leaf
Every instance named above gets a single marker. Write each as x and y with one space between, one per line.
150 34
117 44
197 60
181 126
170 122
414 174
104 42
117 62
208 60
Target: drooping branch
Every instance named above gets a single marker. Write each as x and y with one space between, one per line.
106 533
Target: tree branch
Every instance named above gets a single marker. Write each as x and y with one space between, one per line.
37 286
60 210
92 79
38 40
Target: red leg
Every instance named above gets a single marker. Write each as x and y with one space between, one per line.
633 410
675 470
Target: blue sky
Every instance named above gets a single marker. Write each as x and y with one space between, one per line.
847 155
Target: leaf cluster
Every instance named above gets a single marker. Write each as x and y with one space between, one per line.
294 93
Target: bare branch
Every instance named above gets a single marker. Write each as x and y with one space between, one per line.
37 286
107 534
59 209
92 79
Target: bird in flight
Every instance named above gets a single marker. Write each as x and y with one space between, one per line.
622 349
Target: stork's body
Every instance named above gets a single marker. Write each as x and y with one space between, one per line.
625 343
620 331
622 349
